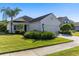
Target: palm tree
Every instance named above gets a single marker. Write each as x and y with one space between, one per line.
11 13
4 16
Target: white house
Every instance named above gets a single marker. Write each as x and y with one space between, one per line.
20 23
48 22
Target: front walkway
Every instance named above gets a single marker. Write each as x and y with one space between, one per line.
47 50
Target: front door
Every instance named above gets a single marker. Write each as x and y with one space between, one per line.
25 27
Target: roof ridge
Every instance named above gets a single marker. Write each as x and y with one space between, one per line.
40 17
23 18
44 15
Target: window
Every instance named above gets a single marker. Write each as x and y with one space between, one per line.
18 27
14 27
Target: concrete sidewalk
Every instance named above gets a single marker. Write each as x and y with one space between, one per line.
47 50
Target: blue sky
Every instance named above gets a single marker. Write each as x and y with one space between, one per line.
37 9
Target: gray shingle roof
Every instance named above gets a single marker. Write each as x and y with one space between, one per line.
65 19
62 19
23 19
29 19
40 18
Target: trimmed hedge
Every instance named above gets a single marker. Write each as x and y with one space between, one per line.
32 35
39 35
47 35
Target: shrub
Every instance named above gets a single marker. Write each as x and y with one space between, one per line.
19 32
32 35
73 26
3 27
36 35
28 35
7 31
39 35
47 35
66 27
66 32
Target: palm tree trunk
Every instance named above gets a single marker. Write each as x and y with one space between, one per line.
11 24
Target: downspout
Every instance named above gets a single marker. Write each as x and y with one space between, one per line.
43 27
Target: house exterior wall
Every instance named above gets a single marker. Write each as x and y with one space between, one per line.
51 23
77 28
35 26
9 27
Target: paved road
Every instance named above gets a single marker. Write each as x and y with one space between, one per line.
47 50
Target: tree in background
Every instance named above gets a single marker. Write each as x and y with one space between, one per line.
11 13
4 16
66 27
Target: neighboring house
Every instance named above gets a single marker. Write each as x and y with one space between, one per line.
64 20
48 22
76 24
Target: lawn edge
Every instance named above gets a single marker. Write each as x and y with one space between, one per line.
34 48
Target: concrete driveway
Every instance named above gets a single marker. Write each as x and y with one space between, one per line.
47 50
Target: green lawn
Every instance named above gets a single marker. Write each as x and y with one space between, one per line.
75 34
10 43
69 52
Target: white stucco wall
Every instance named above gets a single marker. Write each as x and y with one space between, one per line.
35 26
51 23
77 28
9 27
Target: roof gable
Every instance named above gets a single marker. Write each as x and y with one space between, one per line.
40 18
63 19
23 19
